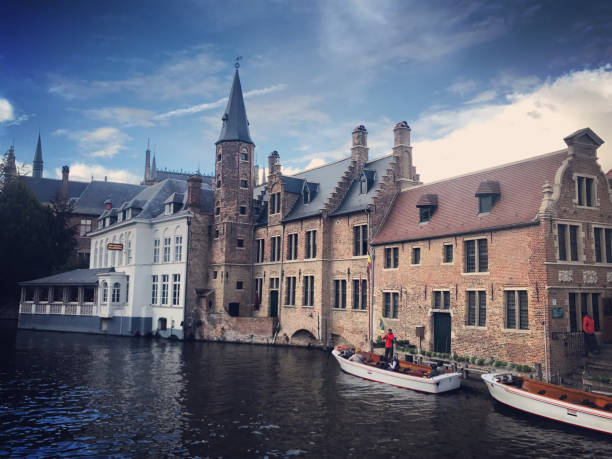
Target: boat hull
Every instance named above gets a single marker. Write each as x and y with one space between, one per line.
558 410
438 384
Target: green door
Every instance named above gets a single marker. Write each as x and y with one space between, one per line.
442 332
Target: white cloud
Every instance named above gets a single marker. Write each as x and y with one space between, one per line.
314 162
104 142
530 123
84 172
462 87
485 96
7 112
124 116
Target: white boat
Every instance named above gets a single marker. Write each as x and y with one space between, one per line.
410 376
575 407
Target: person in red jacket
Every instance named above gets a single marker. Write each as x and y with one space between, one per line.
389 339
590 340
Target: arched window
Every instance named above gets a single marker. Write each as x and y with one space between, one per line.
106 253
116 292
120 253
104 292
95 253
306 195
363 184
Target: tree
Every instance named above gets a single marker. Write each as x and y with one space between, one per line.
35 240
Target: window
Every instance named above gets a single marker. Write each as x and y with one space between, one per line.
448 253
363 184
476 256
360 294
517 317
275 203
416 255
567 236
218 184
106 254
275 249
156 251
88 294
162 324
391 304
292 247
259 250
167 242
360 240
176 289
164 290
290 290
129 252
85 227
311 244
116 292
127 289
216 233
258 292
218 157
240 243
178 248
95 257
441 299
585 191
243 210
425 213
274 283
217 210
57 295
391 257
73 294
29 294
306 195
239 285
214 274
579 305
476 308
244 156
603 244
43 294
104 292
244 184
340 294
485 203
308 297
154 287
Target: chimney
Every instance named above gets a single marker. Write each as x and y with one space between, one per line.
108 204
359 150
274 166
402 152
256 180
194 193
64 192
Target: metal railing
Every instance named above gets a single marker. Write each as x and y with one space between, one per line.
573 342
66 309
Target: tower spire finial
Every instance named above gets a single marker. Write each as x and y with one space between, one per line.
237 64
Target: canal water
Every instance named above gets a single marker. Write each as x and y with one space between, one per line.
67 394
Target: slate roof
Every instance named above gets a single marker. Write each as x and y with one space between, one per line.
354 201
75 277
235 123
47 190
457 212
91 200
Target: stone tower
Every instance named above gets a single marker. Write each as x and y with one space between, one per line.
10 169
233 210
37 164
402 152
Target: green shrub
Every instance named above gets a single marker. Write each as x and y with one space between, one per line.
480 362
473 359
499 364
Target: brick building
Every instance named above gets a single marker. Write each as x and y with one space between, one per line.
503 262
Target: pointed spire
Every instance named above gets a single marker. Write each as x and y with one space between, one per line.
235 123
37 164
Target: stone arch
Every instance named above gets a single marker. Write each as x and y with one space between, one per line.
303 337
339 340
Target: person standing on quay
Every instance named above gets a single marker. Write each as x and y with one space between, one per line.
389 339
590 340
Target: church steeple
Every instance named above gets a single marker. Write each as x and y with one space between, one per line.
37 164
235 124
10 169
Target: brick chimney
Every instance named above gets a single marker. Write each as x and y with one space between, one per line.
64 191
274 166
194 193
402 152
359 150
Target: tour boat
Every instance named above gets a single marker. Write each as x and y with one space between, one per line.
409 376
583 409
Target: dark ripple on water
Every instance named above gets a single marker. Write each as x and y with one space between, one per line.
77 395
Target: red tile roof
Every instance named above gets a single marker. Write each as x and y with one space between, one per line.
457 212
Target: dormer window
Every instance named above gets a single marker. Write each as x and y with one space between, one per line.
488 193
427 205
306 195
366 179
128 214
585 191
275 203
168 209
363 185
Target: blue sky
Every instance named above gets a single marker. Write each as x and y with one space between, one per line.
481 83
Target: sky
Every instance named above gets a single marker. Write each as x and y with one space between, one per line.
480 83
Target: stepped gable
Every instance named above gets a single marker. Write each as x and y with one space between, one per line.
373 172
457 212
47 190
91 200
326 177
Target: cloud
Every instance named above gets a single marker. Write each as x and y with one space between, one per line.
184 74
7 113
453 142
314 162
462 87
124 116
485 96
84 172
104 142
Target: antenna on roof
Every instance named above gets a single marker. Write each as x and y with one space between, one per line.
237 64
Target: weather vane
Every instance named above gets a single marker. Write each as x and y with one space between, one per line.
237 64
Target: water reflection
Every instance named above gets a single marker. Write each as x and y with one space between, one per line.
69 394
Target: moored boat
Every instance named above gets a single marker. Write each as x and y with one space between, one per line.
409 375
571 406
